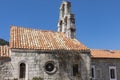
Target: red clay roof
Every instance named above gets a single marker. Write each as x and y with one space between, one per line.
105 53
4 51
25 38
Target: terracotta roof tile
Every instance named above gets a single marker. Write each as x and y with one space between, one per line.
4 51
25 38
105 53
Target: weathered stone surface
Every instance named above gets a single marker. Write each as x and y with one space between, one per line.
102 68
35 65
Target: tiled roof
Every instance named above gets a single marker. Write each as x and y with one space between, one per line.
105 53
25 38
4 51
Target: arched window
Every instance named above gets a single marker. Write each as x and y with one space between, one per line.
66 20
22 70
61 23
63 10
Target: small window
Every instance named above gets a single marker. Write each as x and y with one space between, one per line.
93 72
22 70
75 70
50 67
112 73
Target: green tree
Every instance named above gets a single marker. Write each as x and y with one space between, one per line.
3 42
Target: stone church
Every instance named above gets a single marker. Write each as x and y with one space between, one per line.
50 55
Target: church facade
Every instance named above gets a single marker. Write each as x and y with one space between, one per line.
50 55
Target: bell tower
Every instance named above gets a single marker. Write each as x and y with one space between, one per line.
66 22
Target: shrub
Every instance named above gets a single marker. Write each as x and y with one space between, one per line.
37 78
15 79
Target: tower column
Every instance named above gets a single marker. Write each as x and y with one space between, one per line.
66 22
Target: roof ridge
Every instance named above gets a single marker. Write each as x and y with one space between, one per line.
33 29
105 49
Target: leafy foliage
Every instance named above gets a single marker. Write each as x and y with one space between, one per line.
15 79
37 78
3 42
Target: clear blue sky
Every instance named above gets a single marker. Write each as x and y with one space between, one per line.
97 21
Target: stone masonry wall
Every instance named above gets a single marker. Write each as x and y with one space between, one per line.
63 62
35 63
102 68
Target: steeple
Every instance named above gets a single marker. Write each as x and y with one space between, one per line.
66 22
